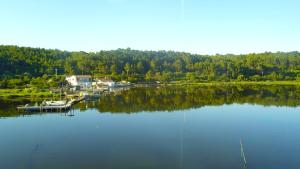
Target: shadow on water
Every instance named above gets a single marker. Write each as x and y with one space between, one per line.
31 156
171 98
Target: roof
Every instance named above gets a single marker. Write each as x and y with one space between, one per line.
81 76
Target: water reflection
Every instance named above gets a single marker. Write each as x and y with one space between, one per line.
171 98
193 137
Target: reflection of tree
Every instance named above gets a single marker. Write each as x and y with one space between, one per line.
170 98
185 97
8 106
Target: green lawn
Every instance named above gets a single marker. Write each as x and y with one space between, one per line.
11 93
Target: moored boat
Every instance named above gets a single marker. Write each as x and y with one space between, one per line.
55 103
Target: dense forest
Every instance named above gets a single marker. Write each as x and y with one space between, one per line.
24 65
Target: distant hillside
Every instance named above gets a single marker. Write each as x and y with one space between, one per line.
149 65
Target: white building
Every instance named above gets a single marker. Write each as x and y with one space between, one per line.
105 82
84 81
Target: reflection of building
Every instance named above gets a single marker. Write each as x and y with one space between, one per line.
105 82
84 81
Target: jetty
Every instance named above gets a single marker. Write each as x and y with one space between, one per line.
50 108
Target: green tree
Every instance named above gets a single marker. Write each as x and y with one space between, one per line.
127 68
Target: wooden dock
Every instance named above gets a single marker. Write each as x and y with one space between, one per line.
49 108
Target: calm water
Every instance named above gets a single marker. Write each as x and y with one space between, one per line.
159 128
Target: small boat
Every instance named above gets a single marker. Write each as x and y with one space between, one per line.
55 103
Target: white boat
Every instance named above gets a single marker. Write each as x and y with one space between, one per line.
55 103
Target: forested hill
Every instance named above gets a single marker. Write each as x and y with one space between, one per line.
136 65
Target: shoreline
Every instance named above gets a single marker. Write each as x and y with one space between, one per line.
215 83
31 94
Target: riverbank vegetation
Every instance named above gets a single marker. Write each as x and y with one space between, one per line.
233 83
20 66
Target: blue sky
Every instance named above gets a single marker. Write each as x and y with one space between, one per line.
197 26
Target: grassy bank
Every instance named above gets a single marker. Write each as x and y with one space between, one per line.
14 93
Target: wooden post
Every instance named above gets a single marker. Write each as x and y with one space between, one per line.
243 153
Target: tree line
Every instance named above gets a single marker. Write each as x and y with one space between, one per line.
140 66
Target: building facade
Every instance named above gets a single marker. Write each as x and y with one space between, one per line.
84 81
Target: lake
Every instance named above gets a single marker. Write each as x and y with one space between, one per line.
186 127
